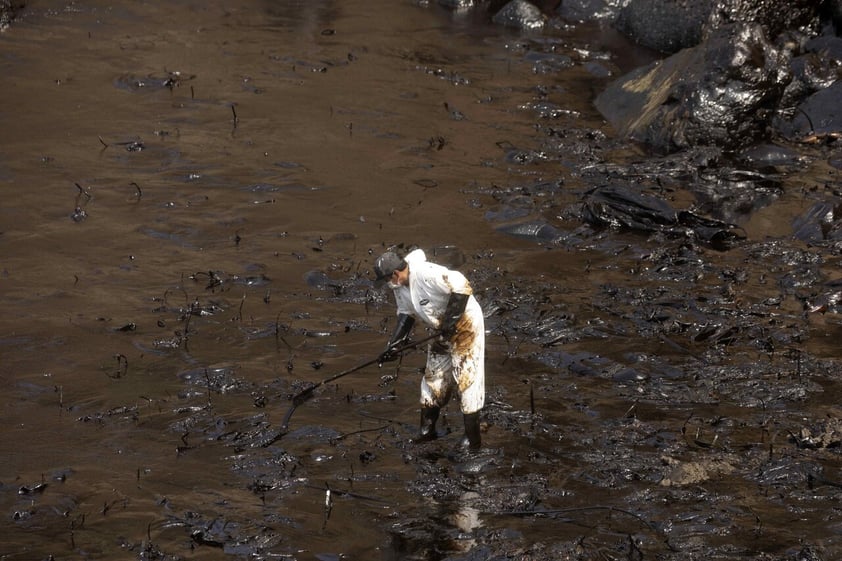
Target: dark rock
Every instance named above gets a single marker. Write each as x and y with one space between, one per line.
814 69
616 206
619 207
671 25
458 4
834 12
829 46
820 223
721 93
770 155
773 16
809 74
539 231
739 68
591 10
665 25
520 14
819 116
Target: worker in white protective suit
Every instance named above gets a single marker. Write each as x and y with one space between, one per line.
442 299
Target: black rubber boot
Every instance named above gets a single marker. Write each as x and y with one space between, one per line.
472 439
429 416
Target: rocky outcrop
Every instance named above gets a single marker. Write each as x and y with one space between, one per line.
671 25
736 72
761 68
776 17
723 92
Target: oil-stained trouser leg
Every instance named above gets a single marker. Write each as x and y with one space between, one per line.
468 371
469 374
442 373
470 378
436 388
437 382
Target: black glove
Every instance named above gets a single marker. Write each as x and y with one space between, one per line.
387 356
452 313
400 335
439 347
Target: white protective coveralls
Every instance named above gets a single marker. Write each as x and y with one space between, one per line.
459 362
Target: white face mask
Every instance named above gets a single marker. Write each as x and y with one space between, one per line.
394 285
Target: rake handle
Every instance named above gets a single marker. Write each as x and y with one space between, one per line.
302 396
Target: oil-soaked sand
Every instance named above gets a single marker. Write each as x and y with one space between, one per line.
192 194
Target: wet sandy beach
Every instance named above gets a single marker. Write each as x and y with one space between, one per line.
193 196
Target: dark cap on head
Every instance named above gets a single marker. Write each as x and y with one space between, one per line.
385 265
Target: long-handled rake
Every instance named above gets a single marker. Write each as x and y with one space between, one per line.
306 393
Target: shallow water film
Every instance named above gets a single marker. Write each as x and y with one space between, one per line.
193 197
